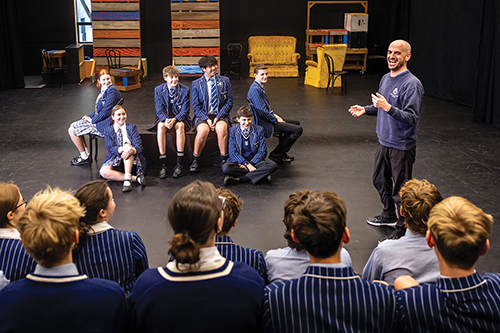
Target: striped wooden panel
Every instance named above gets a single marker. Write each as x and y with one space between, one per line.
117 34
111 42
180 16
115 16
115 7
195 24
196 33
202 42
116 25
186 60
125 61
97 1
195 51
124 52
200 6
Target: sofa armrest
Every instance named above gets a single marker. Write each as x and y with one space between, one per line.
295 57
250 56
311 63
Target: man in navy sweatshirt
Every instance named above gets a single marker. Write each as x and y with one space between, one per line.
397 105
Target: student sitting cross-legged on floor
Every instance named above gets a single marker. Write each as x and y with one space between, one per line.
329 296
124 150
461 300
247 152
227 248
56 298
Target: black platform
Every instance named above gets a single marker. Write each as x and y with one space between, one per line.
336 152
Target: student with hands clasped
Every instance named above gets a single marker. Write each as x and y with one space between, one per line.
172 114
124 150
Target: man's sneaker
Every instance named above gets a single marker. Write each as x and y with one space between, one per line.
379 221
80 161
177 171
287 157
163 172
194 166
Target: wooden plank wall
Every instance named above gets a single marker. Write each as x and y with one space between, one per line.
195 33
116 25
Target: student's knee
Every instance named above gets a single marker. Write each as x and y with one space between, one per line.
162 128
221 128
179 127
105 172
202 130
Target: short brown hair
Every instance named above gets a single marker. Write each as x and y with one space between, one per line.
245 111
259 67
170 70
319 223
9 198
460 231
295 199
232 208
116 108
49 224
417 199
207 61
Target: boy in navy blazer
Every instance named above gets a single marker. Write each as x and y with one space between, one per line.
264 116
212 101
247 152
124 146
172 113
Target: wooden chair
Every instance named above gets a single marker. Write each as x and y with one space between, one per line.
234 51
52 68
334 75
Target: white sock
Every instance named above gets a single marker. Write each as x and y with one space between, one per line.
84 155
87 150
128 176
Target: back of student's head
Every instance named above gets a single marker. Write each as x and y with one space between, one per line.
49 224
245 111
170 70
295 199
417 199
193 214
207 61
94 196
460 231
232 208
319 223
9 199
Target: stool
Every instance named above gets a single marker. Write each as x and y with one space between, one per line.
94 138
130 79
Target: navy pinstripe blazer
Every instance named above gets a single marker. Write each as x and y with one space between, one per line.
14 261
253 258
466 304
116 255
263 115
199 97
101 117
111 142
180 107
328 299
257 145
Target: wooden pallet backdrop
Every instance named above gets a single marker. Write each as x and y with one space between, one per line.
116 25
195 33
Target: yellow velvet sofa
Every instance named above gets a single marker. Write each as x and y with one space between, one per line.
276 52
317 72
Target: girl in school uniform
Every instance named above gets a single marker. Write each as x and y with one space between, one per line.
14 261
124 151
103 251
97 121
199 291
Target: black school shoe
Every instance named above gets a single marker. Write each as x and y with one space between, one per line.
80 161
379 221
177 171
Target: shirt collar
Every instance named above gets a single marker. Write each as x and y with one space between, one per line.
99 227
10 233
116 127
208 256
339 265
62 270
259 84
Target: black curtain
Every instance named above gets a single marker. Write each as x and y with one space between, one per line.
487 101
11 61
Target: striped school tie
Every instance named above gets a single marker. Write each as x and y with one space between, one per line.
120 137
214 97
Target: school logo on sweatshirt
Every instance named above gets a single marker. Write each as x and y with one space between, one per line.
394 93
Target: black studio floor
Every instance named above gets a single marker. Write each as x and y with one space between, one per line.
334 153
